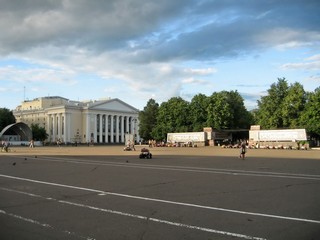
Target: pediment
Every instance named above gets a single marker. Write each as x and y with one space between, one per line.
112 105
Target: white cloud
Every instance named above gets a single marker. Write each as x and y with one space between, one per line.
314 58
35 75
201 71
193 81
311 63
314 78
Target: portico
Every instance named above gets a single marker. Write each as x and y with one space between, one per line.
103 121
110 128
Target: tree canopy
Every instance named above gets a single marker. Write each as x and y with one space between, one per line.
290 106
284 106
6 118
38 133
310 117
270 107
173 116
148 119
220 110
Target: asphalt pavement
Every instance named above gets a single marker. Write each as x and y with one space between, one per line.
181 193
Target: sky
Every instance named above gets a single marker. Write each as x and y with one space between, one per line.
136 50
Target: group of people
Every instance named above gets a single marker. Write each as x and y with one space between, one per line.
130 146
152 143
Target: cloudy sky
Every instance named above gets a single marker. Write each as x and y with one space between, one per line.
135 50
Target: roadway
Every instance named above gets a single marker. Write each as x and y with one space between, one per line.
203 193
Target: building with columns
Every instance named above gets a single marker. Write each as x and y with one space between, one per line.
98 121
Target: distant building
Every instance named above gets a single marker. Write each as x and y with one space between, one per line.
98 121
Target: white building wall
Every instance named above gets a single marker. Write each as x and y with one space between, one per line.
98 121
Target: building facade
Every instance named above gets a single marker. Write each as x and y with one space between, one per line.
98 121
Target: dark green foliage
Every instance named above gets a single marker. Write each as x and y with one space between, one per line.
38 133
226 110
221 111
173 116
148 119
290 107
270 107
310 117
282 107
6 118
285 106
198 112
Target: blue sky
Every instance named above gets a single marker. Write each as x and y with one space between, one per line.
135 50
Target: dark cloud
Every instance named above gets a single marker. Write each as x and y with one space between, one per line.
233 28
97 25
160 31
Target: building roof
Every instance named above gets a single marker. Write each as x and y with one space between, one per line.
20 129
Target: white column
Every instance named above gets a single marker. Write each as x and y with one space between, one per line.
132 125
100 130
106 128
117 128
59 125
53 127
111 128
88 128
48 128
122 128
65 129
95 128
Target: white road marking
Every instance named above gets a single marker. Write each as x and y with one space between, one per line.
99 192
176 224
41 224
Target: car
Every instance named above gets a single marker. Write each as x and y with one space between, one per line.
145 153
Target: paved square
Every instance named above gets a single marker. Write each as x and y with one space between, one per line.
103 192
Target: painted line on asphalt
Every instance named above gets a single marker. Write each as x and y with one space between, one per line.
140 217
99 192
42 224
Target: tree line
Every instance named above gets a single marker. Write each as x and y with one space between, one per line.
285 106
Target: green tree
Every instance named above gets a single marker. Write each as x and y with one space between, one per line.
198 112
148 119
226 110
173 116
310 117
219 111
6 118
38 133
293 105
241 117
270 113
283 106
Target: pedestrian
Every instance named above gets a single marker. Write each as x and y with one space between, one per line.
243 149
6 146
31 143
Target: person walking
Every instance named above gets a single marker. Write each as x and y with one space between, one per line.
243 149
31 144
